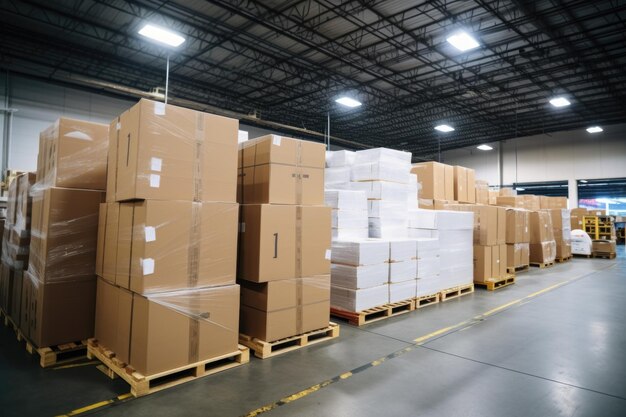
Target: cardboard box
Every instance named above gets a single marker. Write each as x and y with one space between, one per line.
170 245
113 318
58 312
425 203
507 192
160 151
64 234
561 226
563 250
603 246
543 252
531 202
283 241
540 227
481 191
460 184
579 212
287 293
517 226
552 202
490 223
489 262
493 197
511 201
432 178
73 154
576 222
11 291
517 255
23 204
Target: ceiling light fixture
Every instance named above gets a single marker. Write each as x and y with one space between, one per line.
161 35
595 129
444 128
484 147
560 102
462 41
348 102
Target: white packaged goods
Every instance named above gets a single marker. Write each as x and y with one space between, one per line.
358 300
350 234
423 219
382 190
427 248
379 171
382 154
412 199
339 158
360 252
359 277
337 178
402 271
428 286
385 208
401 291
349 219
346 199
402 249
455 220
387 222
428 267
422 233
581 242
387 228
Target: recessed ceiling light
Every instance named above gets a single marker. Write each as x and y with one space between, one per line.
560 102
484 147
595 129
348 102
444 128
161 35
462 41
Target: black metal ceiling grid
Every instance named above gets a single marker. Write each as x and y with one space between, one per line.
286 61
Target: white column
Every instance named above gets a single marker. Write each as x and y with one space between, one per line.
572 196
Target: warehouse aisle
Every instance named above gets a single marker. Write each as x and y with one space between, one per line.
561 351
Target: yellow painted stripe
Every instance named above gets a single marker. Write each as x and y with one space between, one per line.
438 332
345 375
124 396
499 308
76 365
88 408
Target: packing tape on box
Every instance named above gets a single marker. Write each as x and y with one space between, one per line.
298 241
193 254
299 174
198 157
299 294
194 340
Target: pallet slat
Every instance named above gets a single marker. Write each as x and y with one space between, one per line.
497 283
561 260
517 269
427 300
264 350
605 255
141 385
542 265
371 315
456 292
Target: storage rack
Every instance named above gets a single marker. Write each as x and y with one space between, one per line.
599 227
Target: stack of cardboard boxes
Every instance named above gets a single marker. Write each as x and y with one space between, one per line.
562 231
517 238
15 244
285 238
482 192
167 251
436 184
58 294
542 244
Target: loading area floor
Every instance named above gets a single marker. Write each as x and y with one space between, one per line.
553 344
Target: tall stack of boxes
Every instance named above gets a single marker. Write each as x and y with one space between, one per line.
285 238
482 192
436 184
167 251
402 269
562 231
542 244
58 294
349 214
517 237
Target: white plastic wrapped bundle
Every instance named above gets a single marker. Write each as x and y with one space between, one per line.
358 300
337 178
403 271
382 190
412 199
402 249
388 228
456 247
455 220
401 291
428 286
347 219
346 199
581 242
423 219
349 234
339 158
382 155
427 248
428 260
422 233
360 252
359 277
380 171
387 209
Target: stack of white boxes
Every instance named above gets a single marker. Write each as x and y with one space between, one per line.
338 168
456 242
349 214
359 274
402 269
428 267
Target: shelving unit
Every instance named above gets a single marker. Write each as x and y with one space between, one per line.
599 227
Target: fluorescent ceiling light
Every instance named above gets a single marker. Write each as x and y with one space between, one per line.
462 41
161 35
484 147
348 102
444 128
520 189
583 181
560 102
595 129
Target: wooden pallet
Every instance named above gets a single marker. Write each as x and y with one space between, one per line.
580 255
141 385
264 350
496 283
605 255
427 300
514 270
542 265
560 260
8 322
60 354
456 292
376 313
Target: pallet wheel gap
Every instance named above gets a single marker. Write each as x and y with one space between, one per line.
427 300
373 314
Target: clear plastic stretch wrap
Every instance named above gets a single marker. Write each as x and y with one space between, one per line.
346 200
384 155
337 178
359 277
340 158
16 233
381 171
401 291
358 300
73 154
169 329
518 254
382 190
544 252
360 252
347 219
423 219
153 246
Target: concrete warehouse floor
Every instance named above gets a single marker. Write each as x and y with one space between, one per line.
558 352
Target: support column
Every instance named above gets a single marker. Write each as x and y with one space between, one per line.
572 193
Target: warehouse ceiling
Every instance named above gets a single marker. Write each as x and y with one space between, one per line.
287 61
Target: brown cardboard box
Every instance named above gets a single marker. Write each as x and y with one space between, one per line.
113 319
603 246
432 178
511 201
482 263
170 245
471 186
482 192
109 254
540 227
543 252
11 291
58 312
23 201
283 241
517 254
507 192
441 204
460 184
493 197
552 202
576 222
173 329
73 154
517 226
278 295
531 202
64 234
595 212
169 152
449 182
11 203
502 260
561 226
580 212
274 149
271 326
563 250
489 222
102 221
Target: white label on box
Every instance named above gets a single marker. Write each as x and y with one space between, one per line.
155 180
159 108
327 255
118 126
148 266
276 140
155 164
242 227
150 233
